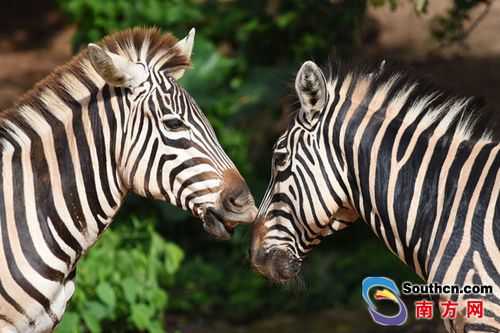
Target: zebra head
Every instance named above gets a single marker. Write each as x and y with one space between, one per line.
304 200
167 149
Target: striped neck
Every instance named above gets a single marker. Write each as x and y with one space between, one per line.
407 164
63 150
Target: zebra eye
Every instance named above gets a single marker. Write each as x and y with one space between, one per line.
280 159
174 124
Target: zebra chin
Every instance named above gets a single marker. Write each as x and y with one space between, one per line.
214 225
276 264
234 206
221 224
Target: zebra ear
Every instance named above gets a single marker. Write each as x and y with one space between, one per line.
115 69
185 46
310 85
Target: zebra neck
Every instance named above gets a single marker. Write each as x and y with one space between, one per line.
407 182
61 186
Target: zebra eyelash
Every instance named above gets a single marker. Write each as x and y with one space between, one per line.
281 145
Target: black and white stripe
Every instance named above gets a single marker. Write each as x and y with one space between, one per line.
381 148
114 120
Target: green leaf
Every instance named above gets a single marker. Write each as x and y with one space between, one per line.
286 19
393 4
92 322
96 310
421 5
141 315
209 65
157 297
106 293
173 257
70 323
377 3
155 327
131 289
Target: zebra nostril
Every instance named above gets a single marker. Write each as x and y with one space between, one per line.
241 200
237 201
236 195
233 202
283 266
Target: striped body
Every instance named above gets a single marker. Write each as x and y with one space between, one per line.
75 146
403 161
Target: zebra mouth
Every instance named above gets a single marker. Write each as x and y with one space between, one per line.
278 265
214 225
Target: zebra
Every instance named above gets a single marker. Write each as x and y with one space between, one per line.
113 120
402 157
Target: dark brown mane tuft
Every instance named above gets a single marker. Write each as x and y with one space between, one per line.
127 43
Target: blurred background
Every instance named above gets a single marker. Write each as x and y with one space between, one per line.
156 270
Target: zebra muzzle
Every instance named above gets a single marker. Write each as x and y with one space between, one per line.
279 265
236 200
213 224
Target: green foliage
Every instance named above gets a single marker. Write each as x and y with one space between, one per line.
451 27
122 282
393 4
97 18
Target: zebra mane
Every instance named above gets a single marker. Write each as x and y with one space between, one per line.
424 102
147 45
